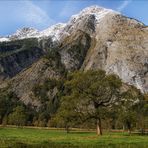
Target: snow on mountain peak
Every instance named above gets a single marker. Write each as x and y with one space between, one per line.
97 11
53 31
4 39
24 33
58 30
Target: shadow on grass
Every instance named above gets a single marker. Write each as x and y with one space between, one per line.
77 132
43 145
70 145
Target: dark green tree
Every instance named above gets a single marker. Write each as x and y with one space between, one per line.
88 94
141 109
8 100
129 106
66 115
18 116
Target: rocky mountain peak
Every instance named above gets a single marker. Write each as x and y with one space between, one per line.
95 10
24 33
53 31
90 15
28 32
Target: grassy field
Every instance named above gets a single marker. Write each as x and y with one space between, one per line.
40 138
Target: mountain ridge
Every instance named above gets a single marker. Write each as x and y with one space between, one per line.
96 38
28 32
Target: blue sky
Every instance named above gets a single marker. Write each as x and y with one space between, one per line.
40 14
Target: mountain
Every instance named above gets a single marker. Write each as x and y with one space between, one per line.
25 33
96 38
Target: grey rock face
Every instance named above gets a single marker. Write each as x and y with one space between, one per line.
74 49
118 44
23 83
13 64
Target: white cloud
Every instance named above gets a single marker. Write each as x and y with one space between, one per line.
33 14
124 5
69 9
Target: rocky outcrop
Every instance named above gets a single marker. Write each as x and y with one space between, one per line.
18 55
23 83
13 64
73 50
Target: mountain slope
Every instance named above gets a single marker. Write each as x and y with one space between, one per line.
96 38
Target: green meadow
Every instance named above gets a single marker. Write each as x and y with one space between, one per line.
48 138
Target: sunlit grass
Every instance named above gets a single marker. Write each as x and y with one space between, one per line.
59 138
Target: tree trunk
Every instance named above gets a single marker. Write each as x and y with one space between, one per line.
67 129
123 128
129 131
99 128
129 127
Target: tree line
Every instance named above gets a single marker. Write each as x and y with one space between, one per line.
90 99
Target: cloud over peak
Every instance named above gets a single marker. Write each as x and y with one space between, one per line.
33 14
124 5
